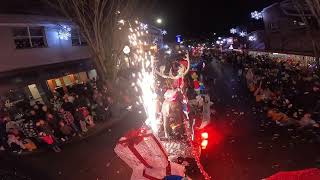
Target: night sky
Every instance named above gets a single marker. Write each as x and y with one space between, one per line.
201 18
190 18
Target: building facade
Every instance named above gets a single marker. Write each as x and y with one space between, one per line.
41 54
285 32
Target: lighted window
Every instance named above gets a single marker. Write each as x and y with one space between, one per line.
77 38
29 37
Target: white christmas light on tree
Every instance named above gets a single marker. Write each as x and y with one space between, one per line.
64 32
126 50
256 15
242 34
164 32
121 21
252 38
233 30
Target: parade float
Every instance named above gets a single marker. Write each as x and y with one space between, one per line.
169 134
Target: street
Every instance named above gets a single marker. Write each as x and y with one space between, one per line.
250 146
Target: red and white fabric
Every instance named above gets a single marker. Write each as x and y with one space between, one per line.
144 153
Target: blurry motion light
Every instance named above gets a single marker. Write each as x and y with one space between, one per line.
64 32
256 15
168 52
121 21
126 50
233 30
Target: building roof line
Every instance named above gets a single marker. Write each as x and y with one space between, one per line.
270 6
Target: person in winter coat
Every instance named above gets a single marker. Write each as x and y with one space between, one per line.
88 118
81 119
69 120
29 130
49 140
15 143
65 130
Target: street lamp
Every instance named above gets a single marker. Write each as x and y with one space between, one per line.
159 21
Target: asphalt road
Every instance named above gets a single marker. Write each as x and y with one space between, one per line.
243 144
251 147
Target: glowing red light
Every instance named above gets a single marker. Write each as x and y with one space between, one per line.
204 144
204 135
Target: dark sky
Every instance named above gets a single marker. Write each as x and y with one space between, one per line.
198 18
190 18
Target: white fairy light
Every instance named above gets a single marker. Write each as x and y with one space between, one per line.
256 15
164 32
242 34
64 32
233 30
252 38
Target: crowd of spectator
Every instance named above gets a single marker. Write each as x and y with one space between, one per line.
288 91
29 126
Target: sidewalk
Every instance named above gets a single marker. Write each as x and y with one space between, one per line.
99 127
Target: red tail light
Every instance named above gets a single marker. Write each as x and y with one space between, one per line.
204 135
204 144
204 140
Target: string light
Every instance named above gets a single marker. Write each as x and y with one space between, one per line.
64 32
233 30
242 34
252 38
163 32
256 15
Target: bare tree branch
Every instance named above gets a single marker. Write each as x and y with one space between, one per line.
98 22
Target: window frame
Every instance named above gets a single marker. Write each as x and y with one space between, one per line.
80 40
29 36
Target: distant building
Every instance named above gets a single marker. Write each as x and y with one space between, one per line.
285 32
256 40
41 54
155 36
